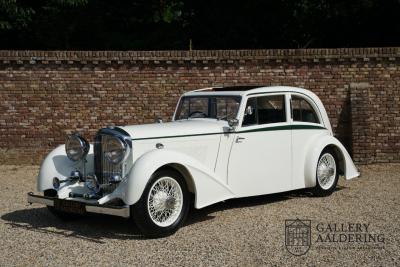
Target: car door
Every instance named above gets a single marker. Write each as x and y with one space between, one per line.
260 158
307 124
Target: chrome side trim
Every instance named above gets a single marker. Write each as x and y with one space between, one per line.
93 208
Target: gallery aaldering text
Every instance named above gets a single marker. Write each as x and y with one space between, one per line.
347 233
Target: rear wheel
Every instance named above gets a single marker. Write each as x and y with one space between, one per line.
326 174
64 216
164 204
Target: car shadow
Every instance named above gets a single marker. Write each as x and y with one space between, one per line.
98 228
203 214
91 227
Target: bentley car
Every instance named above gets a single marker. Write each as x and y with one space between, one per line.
222 143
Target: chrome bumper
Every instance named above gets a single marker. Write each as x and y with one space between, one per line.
93 208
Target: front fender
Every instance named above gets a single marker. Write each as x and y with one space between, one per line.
350 170
57 164
207 186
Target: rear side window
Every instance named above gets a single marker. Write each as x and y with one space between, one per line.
303 111
265 110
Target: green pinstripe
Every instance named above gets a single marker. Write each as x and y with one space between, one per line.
265 129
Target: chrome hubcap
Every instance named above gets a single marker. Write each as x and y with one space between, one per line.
326 171
165 201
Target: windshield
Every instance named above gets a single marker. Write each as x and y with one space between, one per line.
215 107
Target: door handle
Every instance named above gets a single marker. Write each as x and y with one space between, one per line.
239 139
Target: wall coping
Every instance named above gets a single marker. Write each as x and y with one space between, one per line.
392 53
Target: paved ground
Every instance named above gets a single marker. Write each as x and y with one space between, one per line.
238 232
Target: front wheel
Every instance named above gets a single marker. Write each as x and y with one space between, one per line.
326 174
164 204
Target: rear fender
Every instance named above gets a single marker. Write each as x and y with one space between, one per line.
349 169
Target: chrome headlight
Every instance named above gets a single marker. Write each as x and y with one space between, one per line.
115 150
76 147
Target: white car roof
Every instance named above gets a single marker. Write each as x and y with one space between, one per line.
247 90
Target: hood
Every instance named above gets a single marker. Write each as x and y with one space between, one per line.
175 128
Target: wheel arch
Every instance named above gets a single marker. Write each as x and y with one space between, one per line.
182 170
341 163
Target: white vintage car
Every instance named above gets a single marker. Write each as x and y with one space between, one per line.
222 143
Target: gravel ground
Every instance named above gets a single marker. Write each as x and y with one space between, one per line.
246 232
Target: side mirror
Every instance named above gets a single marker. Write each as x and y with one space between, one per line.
233 123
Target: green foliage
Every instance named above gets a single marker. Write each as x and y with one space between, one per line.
173 24
167 11
13 15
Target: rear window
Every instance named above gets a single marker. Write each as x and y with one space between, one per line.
303 111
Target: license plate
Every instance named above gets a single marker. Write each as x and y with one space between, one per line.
69 206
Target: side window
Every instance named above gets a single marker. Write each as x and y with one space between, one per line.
303 111
264 110
271 109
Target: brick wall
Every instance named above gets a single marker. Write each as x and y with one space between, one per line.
46 94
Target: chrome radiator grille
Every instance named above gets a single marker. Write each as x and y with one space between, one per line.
104 170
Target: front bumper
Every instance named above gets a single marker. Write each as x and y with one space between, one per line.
88 207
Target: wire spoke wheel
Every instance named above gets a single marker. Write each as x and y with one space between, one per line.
165 201
326 171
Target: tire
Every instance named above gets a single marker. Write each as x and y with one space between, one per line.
158 213
64 216
326 174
